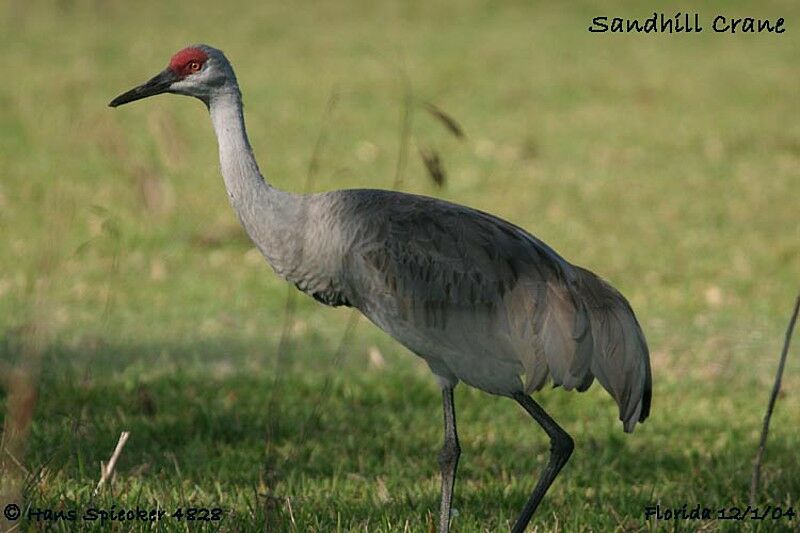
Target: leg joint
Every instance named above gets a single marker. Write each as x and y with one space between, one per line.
562 444
449 453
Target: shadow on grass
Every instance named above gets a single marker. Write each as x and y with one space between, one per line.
198 423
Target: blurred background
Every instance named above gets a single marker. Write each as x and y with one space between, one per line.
130 300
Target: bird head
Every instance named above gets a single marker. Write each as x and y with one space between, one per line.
200 71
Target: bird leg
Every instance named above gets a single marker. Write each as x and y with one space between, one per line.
448 458
561 446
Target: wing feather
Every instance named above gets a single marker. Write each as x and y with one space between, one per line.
467 280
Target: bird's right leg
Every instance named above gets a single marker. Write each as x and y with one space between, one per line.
448 458
561 446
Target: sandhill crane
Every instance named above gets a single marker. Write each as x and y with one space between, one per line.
479 299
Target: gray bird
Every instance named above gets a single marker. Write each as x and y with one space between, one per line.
479 299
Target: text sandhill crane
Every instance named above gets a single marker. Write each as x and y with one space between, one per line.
480 300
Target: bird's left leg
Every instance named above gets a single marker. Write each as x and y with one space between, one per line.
448 458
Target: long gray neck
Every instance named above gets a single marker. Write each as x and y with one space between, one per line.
238 165
273 219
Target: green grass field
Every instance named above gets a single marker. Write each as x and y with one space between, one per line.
130 300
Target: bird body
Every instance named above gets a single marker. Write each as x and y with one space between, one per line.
479 299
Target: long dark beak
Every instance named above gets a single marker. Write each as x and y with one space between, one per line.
160 83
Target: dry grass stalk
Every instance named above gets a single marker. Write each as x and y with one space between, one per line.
445 119
107 470
291 295
771 405
433 163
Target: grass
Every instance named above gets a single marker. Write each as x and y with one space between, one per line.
669 164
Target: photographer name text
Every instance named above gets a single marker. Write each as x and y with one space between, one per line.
13 512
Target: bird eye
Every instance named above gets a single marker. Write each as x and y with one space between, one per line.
194 66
